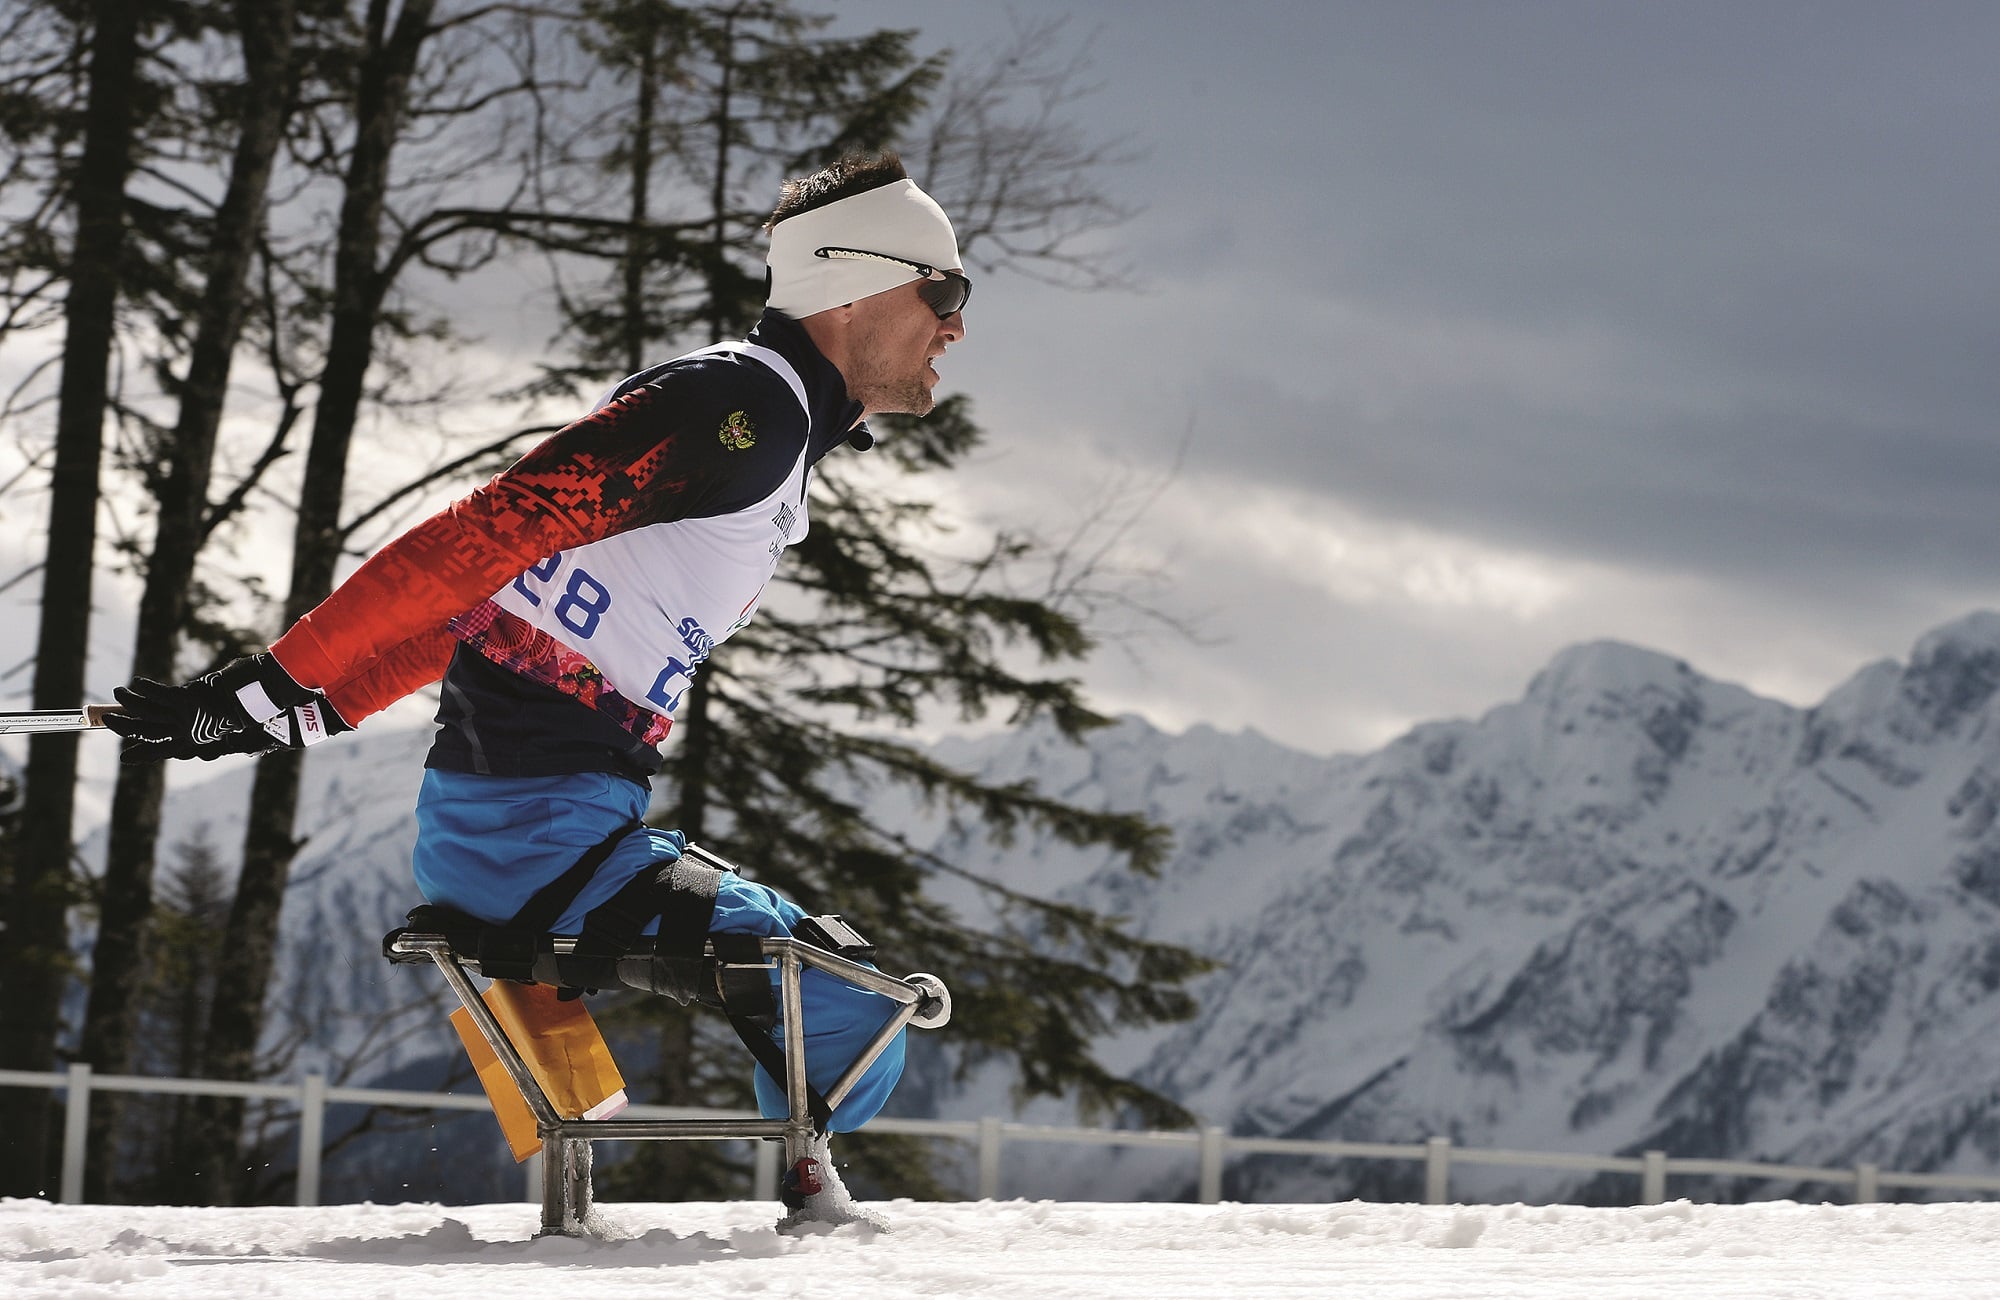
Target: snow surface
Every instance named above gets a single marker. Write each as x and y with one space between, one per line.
1040 1249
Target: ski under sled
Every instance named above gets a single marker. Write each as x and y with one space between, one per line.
731 974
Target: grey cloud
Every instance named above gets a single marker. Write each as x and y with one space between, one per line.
1760 493
1780 212
1698 289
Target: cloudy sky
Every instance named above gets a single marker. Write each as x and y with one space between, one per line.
1487 328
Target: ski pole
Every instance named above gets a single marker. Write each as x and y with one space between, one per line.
88 718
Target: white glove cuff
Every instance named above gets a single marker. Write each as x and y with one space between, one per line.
256 702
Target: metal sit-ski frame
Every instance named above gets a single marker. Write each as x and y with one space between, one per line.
923 1002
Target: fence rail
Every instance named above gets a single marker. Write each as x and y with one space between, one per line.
1211 1147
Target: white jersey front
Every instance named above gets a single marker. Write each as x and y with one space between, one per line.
646 607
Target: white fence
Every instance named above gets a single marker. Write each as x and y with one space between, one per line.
1211 1147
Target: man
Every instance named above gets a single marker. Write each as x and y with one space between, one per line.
569 603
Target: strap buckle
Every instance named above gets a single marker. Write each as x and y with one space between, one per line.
830 933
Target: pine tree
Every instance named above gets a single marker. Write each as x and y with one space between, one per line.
869 626
145 1152
714 101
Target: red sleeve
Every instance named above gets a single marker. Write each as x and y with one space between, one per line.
610 471
411 666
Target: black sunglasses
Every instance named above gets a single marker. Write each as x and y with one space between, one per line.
944 292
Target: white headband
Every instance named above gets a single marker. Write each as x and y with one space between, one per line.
897 219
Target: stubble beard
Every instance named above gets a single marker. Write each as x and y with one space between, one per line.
914 399
897 395
886 382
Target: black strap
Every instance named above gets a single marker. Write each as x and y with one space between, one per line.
540 913
507 955
741 979
747 1000
772 1061
680 893
501 954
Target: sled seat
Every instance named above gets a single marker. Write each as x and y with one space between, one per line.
729 972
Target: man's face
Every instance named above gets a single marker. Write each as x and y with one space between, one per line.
892 344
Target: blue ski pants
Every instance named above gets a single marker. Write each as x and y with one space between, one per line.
485 844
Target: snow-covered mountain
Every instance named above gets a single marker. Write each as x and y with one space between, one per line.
1635 909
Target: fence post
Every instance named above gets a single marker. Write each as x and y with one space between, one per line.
76 1127
1653 1178
312 1135
1437 1171
1211 1165
989 1158
78 1082
764 1172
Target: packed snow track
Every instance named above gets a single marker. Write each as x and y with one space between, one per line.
1043 1250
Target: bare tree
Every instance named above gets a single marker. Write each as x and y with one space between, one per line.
34 950
266 29
386 62
1002 146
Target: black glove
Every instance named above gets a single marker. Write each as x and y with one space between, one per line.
251 706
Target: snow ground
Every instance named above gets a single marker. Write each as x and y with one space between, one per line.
1044 1250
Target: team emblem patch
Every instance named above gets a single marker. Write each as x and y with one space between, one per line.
737 433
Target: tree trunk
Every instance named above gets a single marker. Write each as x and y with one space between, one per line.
645 107
691 765
119 958
719 312
35 959
250 937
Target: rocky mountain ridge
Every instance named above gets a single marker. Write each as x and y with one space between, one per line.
1635 909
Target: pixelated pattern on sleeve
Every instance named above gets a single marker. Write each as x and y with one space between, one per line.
608 472
595 475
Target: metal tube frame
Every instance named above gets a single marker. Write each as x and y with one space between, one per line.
566 1154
